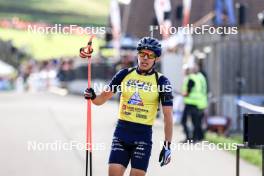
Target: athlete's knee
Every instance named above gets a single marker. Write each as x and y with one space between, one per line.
116 170
137 172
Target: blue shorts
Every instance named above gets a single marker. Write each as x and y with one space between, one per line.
138 153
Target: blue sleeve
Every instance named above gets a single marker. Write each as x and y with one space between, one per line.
165 91
117 79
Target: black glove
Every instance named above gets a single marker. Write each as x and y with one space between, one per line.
89 94
165 154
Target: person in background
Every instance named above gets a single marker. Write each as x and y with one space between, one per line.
222 6
203 101
194 92
189 92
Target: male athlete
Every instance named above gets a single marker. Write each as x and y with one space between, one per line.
142 89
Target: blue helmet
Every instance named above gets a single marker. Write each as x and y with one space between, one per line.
150 44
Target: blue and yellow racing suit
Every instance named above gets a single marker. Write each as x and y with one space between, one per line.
139 101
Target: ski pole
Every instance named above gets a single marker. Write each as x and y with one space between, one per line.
88 170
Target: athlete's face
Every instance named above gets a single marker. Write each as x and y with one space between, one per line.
146 59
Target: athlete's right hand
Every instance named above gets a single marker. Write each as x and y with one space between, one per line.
89 94
86 52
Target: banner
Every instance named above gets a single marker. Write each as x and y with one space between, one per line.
163 10
186 12
115 19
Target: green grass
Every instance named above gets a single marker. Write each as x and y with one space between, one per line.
81 12
251 155
65 12
42 46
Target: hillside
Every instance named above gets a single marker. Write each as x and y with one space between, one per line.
81 12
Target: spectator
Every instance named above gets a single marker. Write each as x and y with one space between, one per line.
222 6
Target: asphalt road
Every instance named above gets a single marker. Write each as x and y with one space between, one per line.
48 121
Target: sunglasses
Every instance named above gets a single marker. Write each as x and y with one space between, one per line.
150 55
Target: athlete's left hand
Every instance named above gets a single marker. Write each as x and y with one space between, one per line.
165 154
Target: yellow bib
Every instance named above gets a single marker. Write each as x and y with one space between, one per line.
139 99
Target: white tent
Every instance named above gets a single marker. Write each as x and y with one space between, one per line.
6 69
